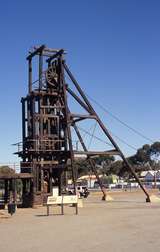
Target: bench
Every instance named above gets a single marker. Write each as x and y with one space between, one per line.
62 200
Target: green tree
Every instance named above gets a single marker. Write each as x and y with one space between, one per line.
103 164
142 157
6 170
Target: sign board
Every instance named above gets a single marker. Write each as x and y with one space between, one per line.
70 199
51 200
55 191
66 199
62 200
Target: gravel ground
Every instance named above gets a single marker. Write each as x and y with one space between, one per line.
126 224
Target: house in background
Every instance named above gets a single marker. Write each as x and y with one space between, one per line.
151 178
88 180
91 180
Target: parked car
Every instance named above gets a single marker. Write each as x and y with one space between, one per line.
82 190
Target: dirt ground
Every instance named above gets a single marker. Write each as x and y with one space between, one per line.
126 224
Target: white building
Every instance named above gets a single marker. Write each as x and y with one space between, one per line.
150 176
89 179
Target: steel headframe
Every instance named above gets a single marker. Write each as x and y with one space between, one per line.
47 122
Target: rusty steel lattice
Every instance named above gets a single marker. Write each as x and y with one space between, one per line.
47 150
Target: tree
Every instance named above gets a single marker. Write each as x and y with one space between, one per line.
155 151
103 164
82 167
147 157
142 156
116 167
6 170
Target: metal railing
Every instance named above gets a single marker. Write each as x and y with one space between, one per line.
40 145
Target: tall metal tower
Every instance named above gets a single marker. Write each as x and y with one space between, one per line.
47 150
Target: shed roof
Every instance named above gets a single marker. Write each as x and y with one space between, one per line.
16 176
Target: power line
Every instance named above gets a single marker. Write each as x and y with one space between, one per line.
120 139
120 121
92 135
86 133
99 139
93 126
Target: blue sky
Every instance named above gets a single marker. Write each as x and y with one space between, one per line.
113 50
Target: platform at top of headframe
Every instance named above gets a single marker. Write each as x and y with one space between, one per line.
45 51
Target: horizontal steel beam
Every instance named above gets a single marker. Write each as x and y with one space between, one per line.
38 50
16 176
60 52
82 116
97 153
51 50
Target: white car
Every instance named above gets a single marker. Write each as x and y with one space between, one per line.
82 190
